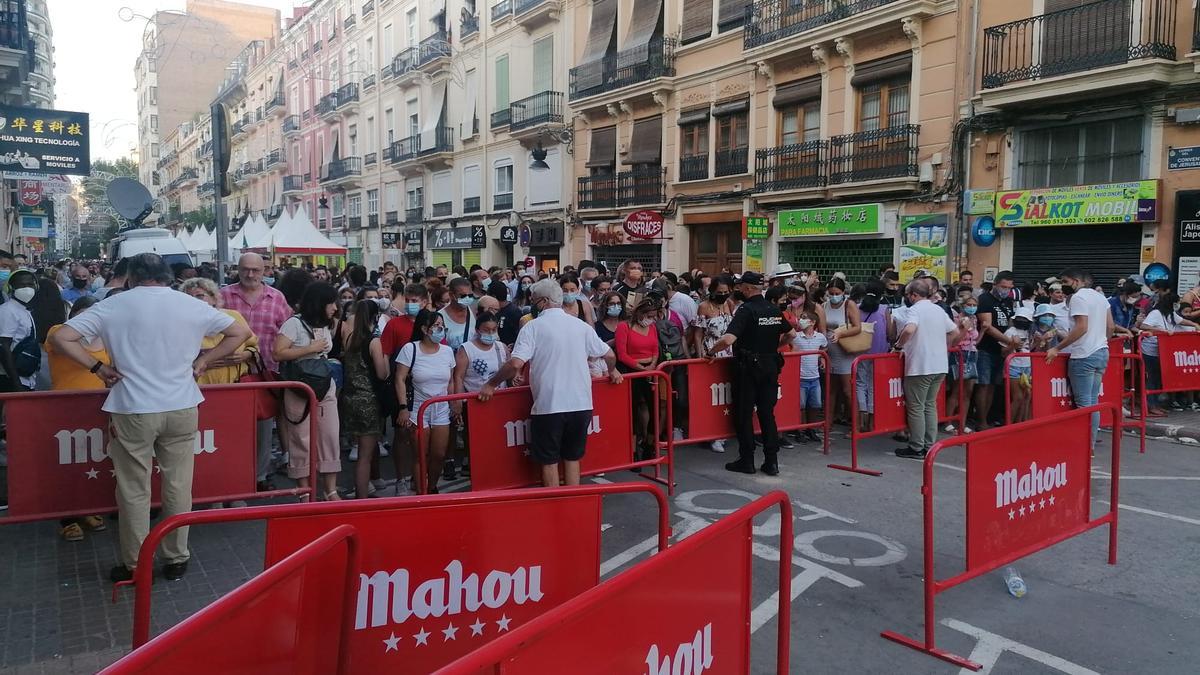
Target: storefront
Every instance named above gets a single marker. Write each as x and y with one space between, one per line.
613 243
849 238
715 241
413 246
1105 229
543 241
455 246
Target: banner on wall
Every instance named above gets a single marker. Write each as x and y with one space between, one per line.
923 245
826 220
1132 202
754 256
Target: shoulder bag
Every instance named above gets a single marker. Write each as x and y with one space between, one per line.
315 372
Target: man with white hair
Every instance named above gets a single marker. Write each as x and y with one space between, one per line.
557 347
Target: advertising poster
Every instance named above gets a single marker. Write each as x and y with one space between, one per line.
44 141
754 256
1132 202
923 245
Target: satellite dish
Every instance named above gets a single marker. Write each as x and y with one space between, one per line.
131 199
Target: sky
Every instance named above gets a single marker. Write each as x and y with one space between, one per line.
94 53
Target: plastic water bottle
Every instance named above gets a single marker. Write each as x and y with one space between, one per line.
1016 585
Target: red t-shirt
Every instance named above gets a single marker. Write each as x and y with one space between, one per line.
632 346
397 333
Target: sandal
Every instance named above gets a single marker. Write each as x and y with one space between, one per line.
333 496
94 523
72 532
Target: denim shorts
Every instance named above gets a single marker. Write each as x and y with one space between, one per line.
990 367
1015 372
810 394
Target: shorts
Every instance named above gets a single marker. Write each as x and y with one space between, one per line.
559 437
436 415
1021 374
810 394
990 367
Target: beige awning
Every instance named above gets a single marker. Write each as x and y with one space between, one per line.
646 145
604 147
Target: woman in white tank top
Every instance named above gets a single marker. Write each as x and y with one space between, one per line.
481 357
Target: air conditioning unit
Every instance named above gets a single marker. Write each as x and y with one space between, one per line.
1187 115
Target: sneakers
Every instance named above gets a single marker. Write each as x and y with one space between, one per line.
354 453
949 428
812 435
174 571
770 468
717 446
120 573
385 450
381 484
72 532
785 442
677 434
909 453
448 471
741 467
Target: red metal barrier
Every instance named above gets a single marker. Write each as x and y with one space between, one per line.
1002 527
527 551
674 613
890 416
1179 364
498 436
58 463
297 598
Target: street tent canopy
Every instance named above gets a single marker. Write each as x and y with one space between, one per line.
184 236
203 240
267 234
253 231
296 235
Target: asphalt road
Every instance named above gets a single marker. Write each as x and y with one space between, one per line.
858 566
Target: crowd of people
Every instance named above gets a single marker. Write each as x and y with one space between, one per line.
375 345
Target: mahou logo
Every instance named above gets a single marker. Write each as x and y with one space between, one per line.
1191 358
387 597
87 446
690 658
895 388
517 432
1012 487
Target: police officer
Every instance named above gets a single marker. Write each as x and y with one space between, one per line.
756 332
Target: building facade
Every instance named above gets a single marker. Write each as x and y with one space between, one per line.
41 75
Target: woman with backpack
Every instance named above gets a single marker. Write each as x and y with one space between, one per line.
365 393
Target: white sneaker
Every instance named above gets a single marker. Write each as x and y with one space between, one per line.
678 435
383 450
968 430
381 483
717 446
354 453
949 428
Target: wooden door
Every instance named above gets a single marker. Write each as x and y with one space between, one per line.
716 247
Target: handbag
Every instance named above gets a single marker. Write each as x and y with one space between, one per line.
314 372
856 344
266 401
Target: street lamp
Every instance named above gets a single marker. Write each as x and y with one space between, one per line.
323 210
539 159
563 136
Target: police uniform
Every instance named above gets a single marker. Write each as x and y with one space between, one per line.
758 326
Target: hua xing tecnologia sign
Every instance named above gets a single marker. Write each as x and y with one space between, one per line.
34 140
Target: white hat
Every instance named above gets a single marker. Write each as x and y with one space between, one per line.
783 270
1024 312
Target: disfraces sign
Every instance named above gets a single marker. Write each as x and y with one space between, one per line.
644 224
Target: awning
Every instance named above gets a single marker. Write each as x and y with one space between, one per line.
797 92
600 42
697 20
693 116
732 13
731 107
471 91
604 147
433 116
644 22
899 65
646 145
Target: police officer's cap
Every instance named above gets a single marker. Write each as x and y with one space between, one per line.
752 278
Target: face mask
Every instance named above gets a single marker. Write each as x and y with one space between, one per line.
1000 293
24 295
569 298
739 296
836 300
437 334
466 301
79 283
613 310
720 298
4 275
1131 300
487 338
970 310
646 322
383 303
804 324
270 281
524 286
412 308
1046 321
798 303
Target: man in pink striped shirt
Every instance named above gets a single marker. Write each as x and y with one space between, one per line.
265 309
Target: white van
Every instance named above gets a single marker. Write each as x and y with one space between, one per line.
149 240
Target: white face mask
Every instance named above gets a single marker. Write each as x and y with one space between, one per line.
24 295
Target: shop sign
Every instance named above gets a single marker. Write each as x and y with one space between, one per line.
458 237
1156 271
923 245
30 192
412 241
983 231
979 202
390 239
1187 267
826 220
1187 157
1189 230
754 256
44 141
644 224
52 184
545 234
755 227
33 226
606 235
1132 202
508 234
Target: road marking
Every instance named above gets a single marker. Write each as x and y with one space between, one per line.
990 646
1097 473
1160 514
950 466
893 552
690 526
813 572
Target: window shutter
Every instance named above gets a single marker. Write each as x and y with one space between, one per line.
797 92
543 65
644 23
604 147
732 14
502 99
646 145
697 20
878 70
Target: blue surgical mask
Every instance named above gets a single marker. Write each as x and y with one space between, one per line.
4 275
437 334
270 281
836 300
467 301
412 308
1046 321
487 338
970 310
525 286
613 310
569 298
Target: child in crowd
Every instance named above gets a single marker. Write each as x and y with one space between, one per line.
968 327
808 339
1019 368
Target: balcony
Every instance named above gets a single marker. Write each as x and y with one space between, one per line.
237 131
409 153
471 205
189 176
333 34
624 69
502 10
350 22
405 149
469 26
372 220
291 125
1103 46
534 13
243 173
502 118
274 161
875 158
792 168
368 6
391 218
768 21
531 115
307 115
385 155
16 47
316 46
414 215
639 187
371 158
502 202
347 94
293 184
693 167
327 107
346 171
206 189
404 66
368 82
275 107
337 222
435 53
732 161
260 166
443 209
259 118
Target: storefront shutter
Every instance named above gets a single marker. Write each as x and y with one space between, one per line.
697 20
472 256
1109 252
442 257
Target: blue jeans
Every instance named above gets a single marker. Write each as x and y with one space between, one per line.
1085 375
1153 381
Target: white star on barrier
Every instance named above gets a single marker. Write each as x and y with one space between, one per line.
391 643
1042 505
1051 500
449 632
1032 506
422 637
1021 511
503 622
477 627
1011 514
726 411
92 474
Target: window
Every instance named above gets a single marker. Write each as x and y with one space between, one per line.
545 191
543 64
883 105
355 208
152 64
389 121
733 131
154 149
693 139
1108 151
373 202
414 117
369 55
504 177
416 197
732 13
335 76
339 206
393 196
153 95
370 141
388 45
502 98
800 123
154 122
352 135
410 26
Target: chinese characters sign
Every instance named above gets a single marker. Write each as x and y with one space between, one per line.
44 141
755 227
1133 202
923 245
849 219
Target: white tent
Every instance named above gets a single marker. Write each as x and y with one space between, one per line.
265 234
203 240
253 230
296 235
185 237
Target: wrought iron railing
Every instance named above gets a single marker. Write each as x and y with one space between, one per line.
349 22
597 191
732 161
871 155
414 215
373 220
306 115
368 6
522 6
291 123
502 118
370 158
435 47
542 108
273 157
237 128
207 188
471 205
443 141
316 46
347 94
258 115
406 61
405 148
275 102
1196 30
328 104
770 20
260 165
443 209
624 68
693 167
391 218
641 186
369 81
307 176
795 166
345 167
1095 35
502 9
469 25
293 183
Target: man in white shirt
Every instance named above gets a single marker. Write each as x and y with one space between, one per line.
1087 341
153 335
926 338
557 347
